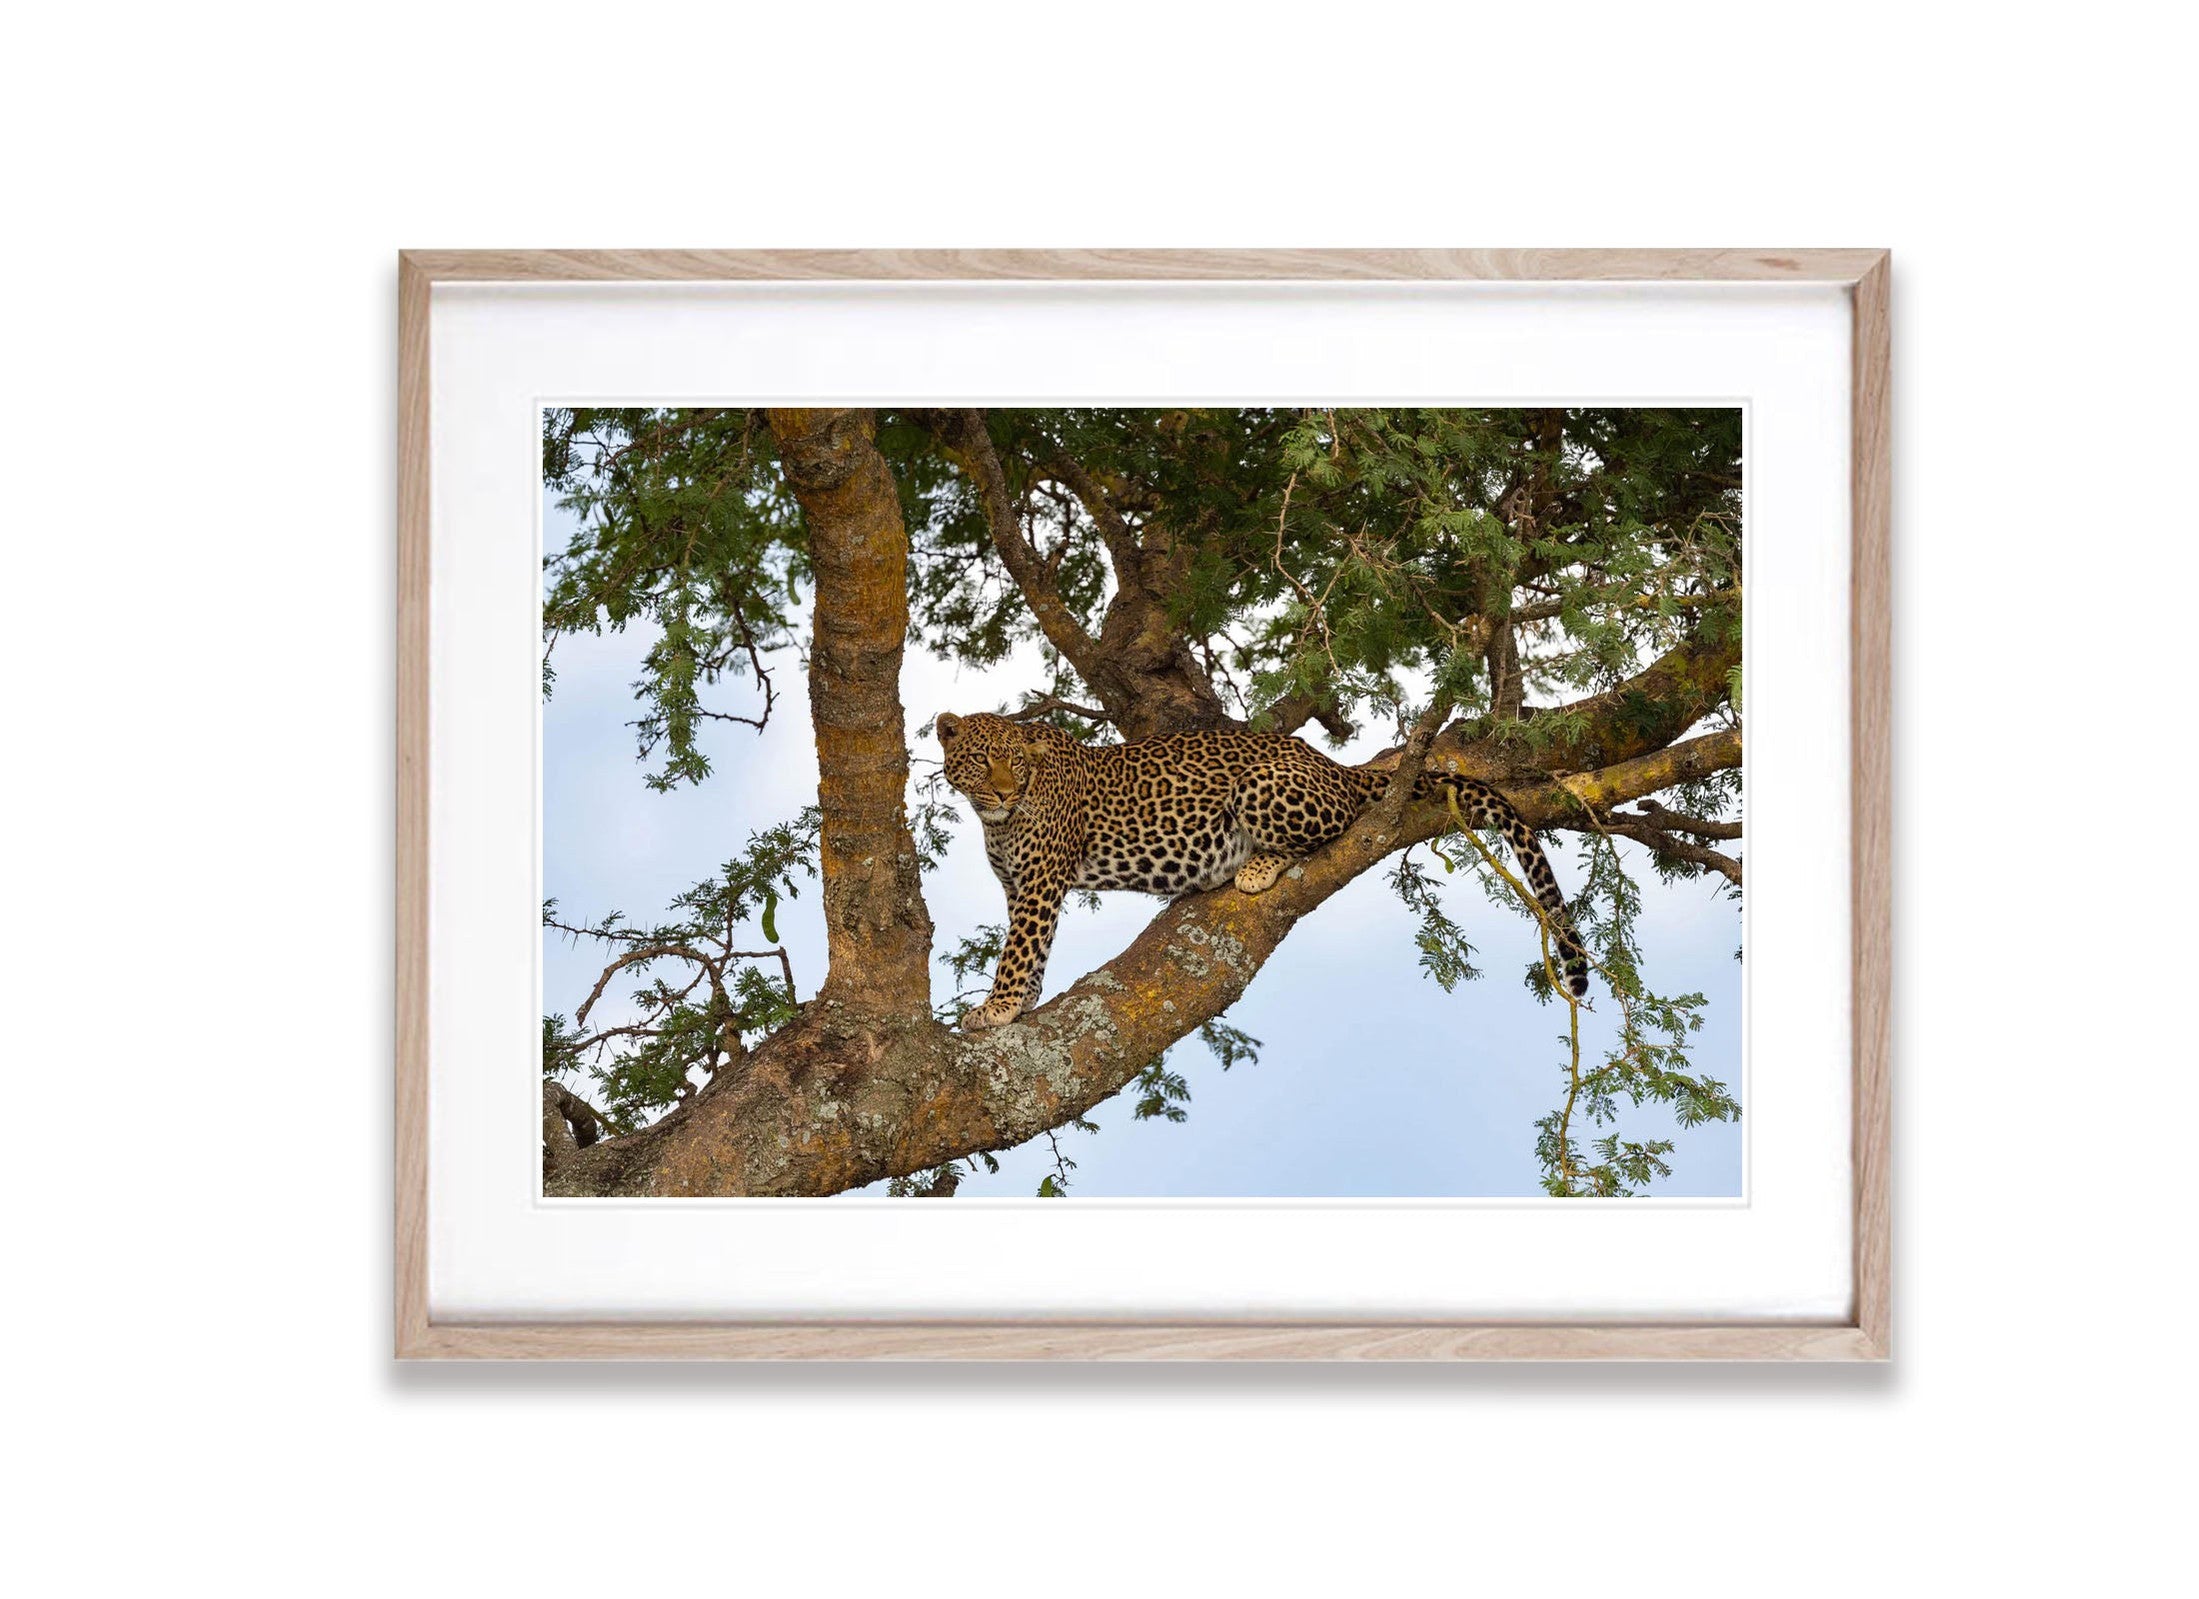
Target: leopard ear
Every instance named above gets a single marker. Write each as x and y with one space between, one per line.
948 725
1034 751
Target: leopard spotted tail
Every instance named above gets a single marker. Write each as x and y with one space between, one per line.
1485 807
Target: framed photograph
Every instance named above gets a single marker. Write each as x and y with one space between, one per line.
1323 804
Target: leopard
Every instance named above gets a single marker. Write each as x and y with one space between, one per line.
1177 814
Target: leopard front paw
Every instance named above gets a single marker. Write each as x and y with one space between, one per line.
993 1013
1258 874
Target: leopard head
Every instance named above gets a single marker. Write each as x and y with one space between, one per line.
990 760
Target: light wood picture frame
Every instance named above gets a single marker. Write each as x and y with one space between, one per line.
1863 1335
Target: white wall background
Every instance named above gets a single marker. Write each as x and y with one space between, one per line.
199 369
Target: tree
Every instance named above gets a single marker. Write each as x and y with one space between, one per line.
1550 597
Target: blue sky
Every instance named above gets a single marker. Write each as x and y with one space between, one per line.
1372 1081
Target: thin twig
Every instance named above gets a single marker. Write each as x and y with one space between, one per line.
651 952
785 965
1566 1170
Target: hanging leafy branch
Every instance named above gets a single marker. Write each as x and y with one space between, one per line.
684 526
1648 1061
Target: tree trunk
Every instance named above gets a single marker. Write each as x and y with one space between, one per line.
877 931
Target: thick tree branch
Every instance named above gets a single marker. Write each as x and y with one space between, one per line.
1412 760
1647 711
1122 544
969 446
1673 822
877 931
1294 711
1558 805
1139 665
1671 846
569 1125
1507 683
1048 703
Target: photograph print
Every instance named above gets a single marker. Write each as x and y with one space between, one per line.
1142 803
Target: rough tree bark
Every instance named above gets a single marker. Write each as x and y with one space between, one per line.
1139 666
865 1083
878 934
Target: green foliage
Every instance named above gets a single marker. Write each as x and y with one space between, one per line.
717 998
940 1180
1230 1045
1645 1062
970 964
932 822
1333 552
1160 1093
1055 1184
688 529
1445 955
1607 526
